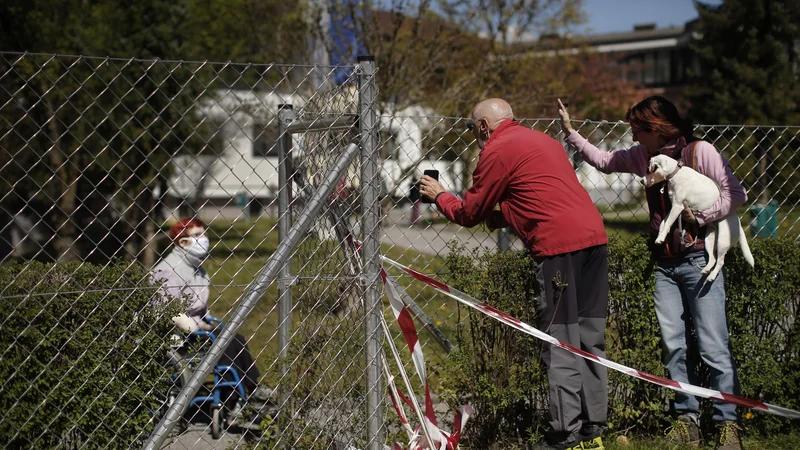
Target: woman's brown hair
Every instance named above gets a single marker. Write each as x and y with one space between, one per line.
660 116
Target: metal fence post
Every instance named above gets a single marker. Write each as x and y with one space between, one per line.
285 116
503 240
370 207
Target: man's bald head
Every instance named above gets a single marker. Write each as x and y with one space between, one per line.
494 111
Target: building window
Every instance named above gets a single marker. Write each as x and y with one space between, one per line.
663 67
649 69
265 141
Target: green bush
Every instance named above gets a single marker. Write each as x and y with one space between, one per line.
82 346
498 371
495 368
763 309
633 339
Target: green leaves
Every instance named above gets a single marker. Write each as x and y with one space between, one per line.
498 371
83 344
747 63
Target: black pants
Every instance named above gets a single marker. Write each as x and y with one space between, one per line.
238 356
572 301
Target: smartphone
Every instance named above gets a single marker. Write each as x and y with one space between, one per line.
433 174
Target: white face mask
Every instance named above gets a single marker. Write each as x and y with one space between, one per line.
199 246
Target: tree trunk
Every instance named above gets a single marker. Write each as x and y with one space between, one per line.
65 192
150 251
132 218
762 167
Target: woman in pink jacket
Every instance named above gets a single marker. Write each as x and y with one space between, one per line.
683 298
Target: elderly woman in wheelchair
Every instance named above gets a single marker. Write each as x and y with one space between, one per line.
236 376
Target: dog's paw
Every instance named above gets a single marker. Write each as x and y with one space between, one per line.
711 277
660 240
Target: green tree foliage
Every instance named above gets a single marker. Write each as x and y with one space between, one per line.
749 61
749 53
80 134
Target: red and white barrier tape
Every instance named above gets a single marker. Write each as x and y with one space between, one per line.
433 436
490 311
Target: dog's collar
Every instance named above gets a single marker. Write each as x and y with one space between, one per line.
669 177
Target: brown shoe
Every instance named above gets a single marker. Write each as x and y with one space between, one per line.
729 437
684 430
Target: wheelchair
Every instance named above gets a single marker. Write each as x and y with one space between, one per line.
222 396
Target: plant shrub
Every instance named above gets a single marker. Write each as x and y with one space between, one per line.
498 371
81 360
495 368
763 308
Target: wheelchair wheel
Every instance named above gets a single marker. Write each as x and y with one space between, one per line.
216 422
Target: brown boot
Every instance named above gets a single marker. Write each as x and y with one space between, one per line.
684 430
729 436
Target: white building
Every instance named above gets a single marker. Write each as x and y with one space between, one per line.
241 162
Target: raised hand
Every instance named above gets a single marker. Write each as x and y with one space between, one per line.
565 124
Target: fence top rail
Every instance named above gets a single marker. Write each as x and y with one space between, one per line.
176 61
333 123
591 122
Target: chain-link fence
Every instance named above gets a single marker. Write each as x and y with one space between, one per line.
301 178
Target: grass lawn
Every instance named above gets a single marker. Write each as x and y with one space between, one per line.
241 251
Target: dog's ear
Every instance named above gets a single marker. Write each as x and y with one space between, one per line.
652 166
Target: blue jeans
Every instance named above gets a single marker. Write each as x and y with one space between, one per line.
684 299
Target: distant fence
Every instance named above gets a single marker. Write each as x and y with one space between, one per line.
99 156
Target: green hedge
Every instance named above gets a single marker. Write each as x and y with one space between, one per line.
497 370
80 359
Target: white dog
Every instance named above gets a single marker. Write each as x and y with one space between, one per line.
699 192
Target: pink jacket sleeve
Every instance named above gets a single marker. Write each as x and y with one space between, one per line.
632 160
732 195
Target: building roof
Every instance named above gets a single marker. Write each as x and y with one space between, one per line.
640 33
641 37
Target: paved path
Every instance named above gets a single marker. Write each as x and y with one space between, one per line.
433 239
198 437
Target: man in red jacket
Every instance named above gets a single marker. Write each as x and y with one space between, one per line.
529 175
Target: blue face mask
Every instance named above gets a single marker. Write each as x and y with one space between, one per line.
198 247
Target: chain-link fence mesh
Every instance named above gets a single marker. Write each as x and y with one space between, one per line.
101 156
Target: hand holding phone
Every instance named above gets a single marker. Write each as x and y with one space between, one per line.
433 174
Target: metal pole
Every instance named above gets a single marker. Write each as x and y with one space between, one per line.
343 122
256 290
503 240
285 116
370 207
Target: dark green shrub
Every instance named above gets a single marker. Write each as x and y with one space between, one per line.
632 338
497 369
81 360
763 308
